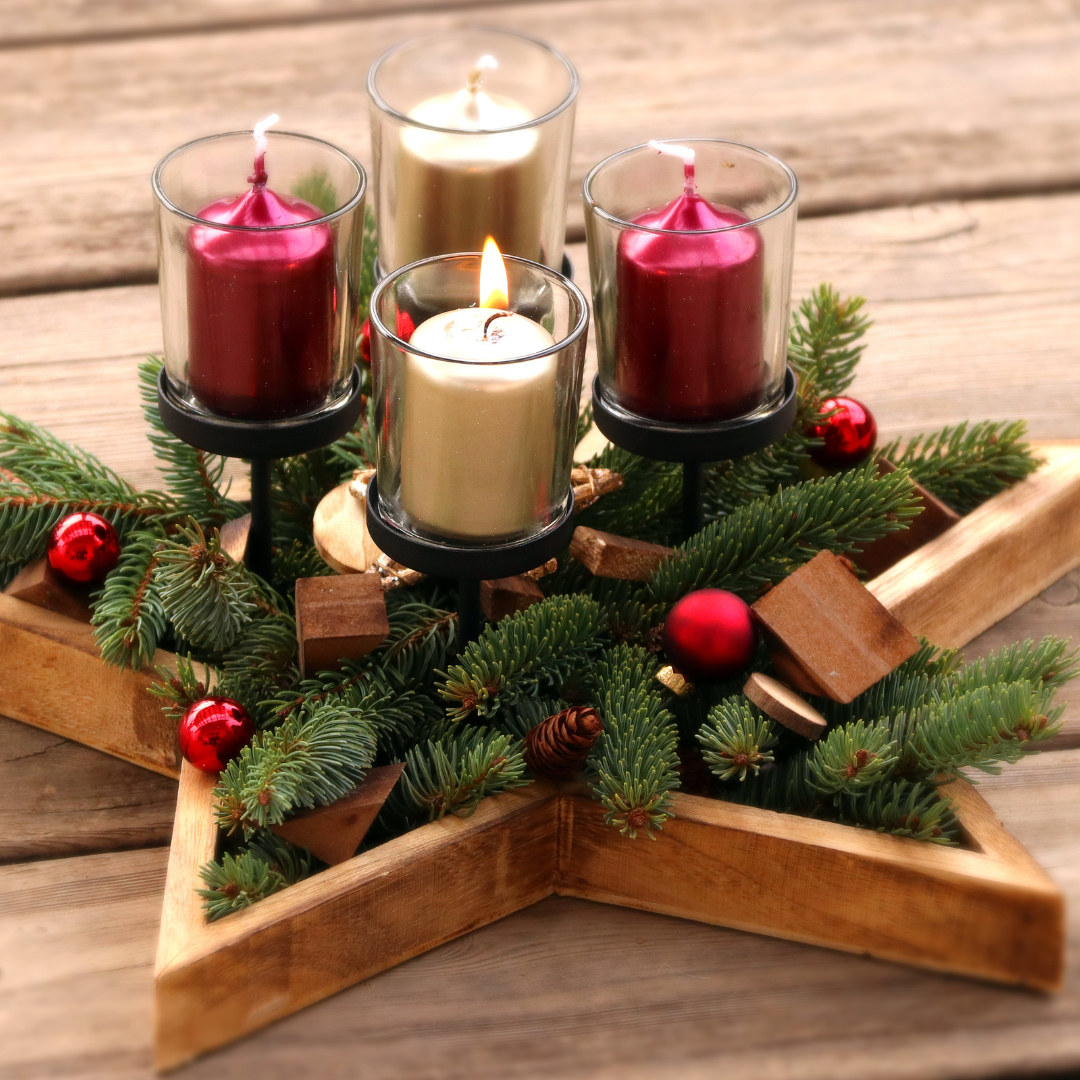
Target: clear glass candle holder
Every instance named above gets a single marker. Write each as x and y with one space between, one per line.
475 451
691 278
259 273
471 133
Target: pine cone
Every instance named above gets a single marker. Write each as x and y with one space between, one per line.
558 746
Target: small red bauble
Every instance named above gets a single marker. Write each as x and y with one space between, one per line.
365 342
213 731
83 547
850 434
710 634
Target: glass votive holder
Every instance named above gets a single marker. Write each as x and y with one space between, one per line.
259 257
690 254
476 407
471 132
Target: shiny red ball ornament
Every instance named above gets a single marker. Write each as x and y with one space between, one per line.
850 434
213 731
365 342
710 634
83 547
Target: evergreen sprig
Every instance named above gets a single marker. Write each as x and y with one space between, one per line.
737 739
268 865
451 774
636 757
852 758
764 541
300 764
531 651
918 810
826 342
967 464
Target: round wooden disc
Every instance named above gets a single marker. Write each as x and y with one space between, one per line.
775 700
340 532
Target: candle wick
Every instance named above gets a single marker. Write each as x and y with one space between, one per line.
491 318
258 178
688 156
475 77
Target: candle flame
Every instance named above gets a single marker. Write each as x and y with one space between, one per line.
494 290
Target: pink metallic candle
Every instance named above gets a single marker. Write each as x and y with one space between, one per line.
688 337
261 304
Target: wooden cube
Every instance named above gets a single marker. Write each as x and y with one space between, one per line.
333 833
611 556
342 617
934 519
39 584
828 634
503 596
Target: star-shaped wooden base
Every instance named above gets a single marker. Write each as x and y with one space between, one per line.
986 909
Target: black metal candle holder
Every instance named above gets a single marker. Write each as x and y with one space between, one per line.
260 442
468 564
693 444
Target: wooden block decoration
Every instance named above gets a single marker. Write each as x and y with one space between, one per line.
333 833
784 706
503 596
987 910
52 676
342 617
339 529
607 555
828 634
934 519
39 584
589 484
234 537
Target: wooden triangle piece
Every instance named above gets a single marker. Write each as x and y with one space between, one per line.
333 833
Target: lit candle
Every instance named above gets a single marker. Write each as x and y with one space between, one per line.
455 188
260 303
478 438
689 332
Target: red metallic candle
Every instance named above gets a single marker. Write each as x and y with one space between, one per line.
688 337
260 306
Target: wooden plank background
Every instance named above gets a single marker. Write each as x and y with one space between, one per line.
939 155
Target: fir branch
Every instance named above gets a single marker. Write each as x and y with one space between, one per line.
736 739
764 541
182 688
636 757
967 464
268 865
979 729
826 343
193 476
129 619
531 651
207 597
853 757
301 764
917 810
450 775
260 663
1048 664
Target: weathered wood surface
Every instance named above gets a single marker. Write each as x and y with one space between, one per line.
872 104
664 996
974 309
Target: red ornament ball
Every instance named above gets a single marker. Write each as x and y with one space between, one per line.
365 342
710 634
850 434
83 547
213 731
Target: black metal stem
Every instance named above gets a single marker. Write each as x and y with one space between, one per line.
468 611
693 492
258 553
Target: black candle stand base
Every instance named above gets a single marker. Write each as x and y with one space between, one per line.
260 442
693 444
468 564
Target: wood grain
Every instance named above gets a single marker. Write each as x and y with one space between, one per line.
59 798
51 675
1002 554
896 102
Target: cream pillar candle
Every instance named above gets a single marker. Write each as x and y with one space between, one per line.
455 188
478 438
